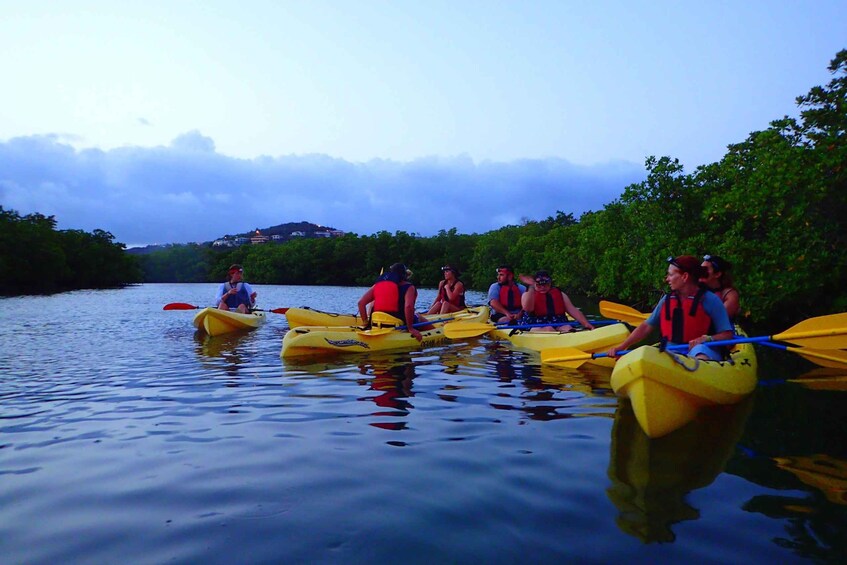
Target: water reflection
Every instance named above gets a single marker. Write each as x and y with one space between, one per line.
820 471
823 378
651 478
222 352
547 392
794 444
391 381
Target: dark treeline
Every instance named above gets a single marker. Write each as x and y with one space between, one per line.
775 205
38 258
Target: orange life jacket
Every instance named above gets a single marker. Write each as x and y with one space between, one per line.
390 297
510 296
554 305
685 319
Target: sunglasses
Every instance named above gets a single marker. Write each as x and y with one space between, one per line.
543 282
672 261
445 269
715 263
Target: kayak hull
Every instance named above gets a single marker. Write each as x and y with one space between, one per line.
593 341
215 321
307 341
668 390
298 317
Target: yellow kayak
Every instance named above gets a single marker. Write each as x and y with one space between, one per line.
333 340
216 322
306 316
667 389
593 341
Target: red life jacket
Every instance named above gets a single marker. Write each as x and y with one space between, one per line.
554 305
686 319
510 296
390 297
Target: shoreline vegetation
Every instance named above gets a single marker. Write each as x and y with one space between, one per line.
775 205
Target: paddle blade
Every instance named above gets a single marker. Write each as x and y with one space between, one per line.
462 330
624 313
566 356
279 310
374 332
180 306
822 332
825 358
386 319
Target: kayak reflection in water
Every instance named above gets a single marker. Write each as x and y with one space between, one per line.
235 294
688 314
393 294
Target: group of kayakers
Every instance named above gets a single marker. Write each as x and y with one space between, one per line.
699 308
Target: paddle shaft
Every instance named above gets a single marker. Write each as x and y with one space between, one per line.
184 306
554 324
420 324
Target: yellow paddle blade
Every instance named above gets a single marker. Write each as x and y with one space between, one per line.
827 358
373 332
623 313
565 356
822 332
385 319
462 330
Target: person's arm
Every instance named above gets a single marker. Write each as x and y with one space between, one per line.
251 293
411 298
442 285
731 303
527 280
528 299
219 296
366 299
453 294
638 334
576 313
714 307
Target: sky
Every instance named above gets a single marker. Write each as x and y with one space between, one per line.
180 121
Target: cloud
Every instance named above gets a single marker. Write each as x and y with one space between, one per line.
188 192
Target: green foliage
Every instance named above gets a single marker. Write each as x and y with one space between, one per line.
43 259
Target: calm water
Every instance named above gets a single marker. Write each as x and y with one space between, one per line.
125 437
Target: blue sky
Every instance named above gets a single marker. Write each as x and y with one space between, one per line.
181 121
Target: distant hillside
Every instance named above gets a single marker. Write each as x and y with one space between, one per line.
283 231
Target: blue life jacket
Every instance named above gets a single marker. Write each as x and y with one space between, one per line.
241 296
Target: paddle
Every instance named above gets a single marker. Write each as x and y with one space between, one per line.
388 329
184 306
623 313
822 332
833 358
573 358
462 330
